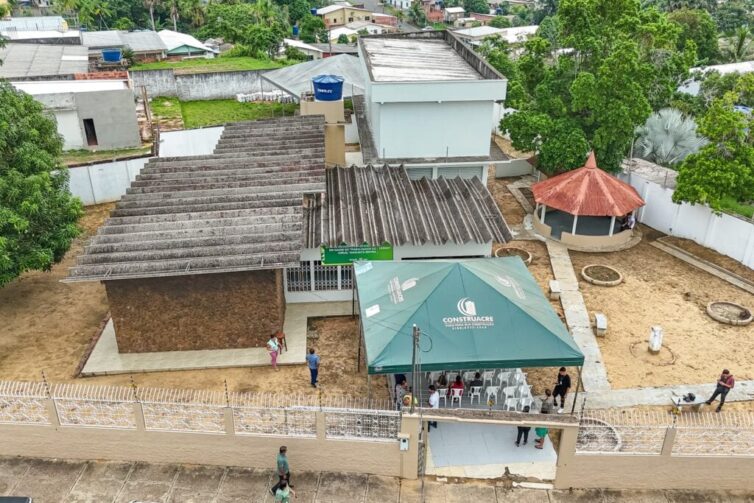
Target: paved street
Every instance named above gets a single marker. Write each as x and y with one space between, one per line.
50 481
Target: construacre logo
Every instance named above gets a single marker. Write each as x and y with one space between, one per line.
470 319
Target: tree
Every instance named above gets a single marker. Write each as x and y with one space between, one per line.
343 38
150 4
478 6
37 212
733 14
417 15
500 22
193 11
623 62
725 167
313 29
699 27
667 138
739 47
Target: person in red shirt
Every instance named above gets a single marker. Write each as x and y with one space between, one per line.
457 384
724 385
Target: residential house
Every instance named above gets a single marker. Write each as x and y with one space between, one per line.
465 22
33 23
371 28
475 35
90 114
453 13
429 104
335 49
145 45
308 49
400 4
484 19
182 44
433 11
42 61
336 33
384 19
692 86
340 15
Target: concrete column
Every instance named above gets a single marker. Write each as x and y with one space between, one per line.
52 412
410 426
139 416
321 427
612 225
667 444
566 454
230 425
575 222
544 210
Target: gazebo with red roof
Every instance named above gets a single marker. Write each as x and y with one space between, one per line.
585 201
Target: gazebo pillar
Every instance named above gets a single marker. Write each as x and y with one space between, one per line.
544 209
575 221
612 225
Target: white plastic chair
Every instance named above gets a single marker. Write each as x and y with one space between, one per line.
504 377
524 390
475 391
488 375
468 376
491 391
433 376
509 392
526 401
456 394
510 403
443 395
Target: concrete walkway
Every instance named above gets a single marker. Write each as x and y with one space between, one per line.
50 481
594 374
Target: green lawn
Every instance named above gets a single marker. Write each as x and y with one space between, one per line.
165 108
219 64
70 157
214 112
731 205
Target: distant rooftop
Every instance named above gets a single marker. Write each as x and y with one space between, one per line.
296 79
337 48
23 61
423 57
137 41
37 87
33 23
39 34
174 39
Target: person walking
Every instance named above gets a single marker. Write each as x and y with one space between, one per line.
434 403
273 348
401 389
283 470
724 385
546 405
284 492
562 386
312 360
523 431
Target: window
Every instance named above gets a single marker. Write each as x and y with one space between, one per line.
299 278
91 133
350 19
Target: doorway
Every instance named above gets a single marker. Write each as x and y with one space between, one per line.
91 133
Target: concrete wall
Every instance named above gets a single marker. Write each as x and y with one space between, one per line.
203 311
189 141
199 86
114 115
726 234
70 129
513 167
104 182
433 129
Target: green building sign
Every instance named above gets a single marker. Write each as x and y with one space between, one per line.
346 255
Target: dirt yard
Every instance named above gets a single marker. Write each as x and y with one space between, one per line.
47 326
659 289
510 207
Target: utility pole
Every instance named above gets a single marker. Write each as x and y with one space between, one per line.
414 371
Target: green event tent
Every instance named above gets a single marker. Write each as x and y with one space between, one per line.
473 314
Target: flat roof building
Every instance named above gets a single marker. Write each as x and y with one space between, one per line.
42 61
428 104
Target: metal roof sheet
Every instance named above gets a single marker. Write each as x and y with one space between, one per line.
42 60
587 191
296 79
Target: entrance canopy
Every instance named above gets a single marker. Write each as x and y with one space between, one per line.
473 314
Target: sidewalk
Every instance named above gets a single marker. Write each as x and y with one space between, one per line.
50 481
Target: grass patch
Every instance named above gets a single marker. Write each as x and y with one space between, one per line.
219 64
80 156
215 112
439 26
731 205
165 108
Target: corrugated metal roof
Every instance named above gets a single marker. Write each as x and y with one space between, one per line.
296 79
587 191
137 41
239 209
173 40
42 60
382 204
102 39
34 23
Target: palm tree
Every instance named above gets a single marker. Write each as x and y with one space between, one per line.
193 10
174 13
150 4
740 48
667 137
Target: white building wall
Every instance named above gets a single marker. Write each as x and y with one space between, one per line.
69 128
433 129
189 141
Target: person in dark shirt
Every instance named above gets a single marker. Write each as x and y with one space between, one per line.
723 386
477 380
523 431
561 389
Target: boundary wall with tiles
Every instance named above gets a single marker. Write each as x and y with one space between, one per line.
74 421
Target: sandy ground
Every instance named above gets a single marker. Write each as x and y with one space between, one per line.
661 290
47 326
509 206
718 259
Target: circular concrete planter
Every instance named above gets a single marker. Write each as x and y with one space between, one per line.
512 251
729 313
595 431
602 275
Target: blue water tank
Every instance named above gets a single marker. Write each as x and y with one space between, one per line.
111 55
313 12
295 30
328 87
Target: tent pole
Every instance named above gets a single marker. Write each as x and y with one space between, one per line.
575 221
576 396
612 225
544 209
358 355
414 376
369 386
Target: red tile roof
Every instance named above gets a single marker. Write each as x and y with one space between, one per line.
587 191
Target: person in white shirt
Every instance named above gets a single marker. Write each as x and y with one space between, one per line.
434 403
